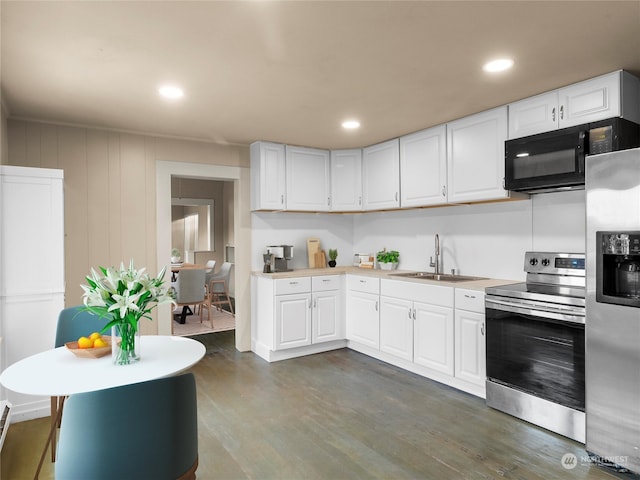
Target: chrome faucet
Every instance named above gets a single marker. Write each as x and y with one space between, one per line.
436 264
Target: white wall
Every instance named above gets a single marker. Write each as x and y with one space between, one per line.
281 228
484 239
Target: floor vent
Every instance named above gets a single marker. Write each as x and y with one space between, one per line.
5 417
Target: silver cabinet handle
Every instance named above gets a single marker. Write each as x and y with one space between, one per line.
396 196
293 283
315 303
376 305
328 201
281 199
561 112
482 329
444 191
414 313
469 296
553 114
363 281
409 312
360 201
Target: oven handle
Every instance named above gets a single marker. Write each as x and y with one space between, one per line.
536 310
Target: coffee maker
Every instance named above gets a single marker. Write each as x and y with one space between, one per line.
277 257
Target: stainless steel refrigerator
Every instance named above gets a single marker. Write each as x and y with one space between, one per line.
613 308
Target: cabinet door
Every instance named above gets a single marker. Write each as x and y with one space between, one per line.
470 364
590 101
327 321
396 327
433 337
475 156
307 179
267 176
293 321
423 168
363 319
534 115
346 180
381 175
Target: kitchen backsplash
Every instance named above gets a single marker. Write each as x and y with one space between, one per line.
481 239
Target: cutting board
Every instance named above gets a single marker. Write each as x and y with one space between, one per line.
320 259
313 247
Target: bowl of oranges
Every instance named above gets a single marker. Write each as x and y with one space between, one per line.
93 346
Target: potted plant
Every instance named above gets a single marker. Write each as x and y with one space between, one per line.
333 254
388 260
175 255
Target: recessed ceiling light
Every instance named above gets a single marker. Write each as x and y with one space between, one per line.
499 65
170 91
350 124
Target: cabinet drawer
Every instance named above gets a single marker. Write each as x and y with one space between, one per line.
363 283
325 282
471 300
285 286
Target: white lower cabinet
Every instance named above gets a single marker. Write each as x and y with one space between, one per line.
416 323
297 316
363 313
327 317
293 320
470 346
433 337
396 327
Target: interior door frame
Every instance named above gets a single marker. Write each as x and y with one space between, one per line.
164 171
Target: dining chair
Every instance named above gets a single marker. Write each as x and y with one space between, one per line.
73 323
189 290
209 266
137 431
218 290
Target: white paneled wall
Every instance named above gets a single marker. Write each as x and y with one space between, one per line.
484 239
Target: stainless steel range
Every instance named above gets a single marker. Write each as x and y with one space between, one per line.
536 344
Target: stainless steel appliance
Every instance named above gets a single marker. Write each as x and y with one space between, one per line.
279 256
613 308
556 160
535 344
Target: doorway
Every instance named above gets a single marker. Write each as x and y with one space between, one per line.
202 231
240 284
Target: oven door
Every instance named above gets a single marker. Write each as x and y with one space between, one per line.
546 161
537 348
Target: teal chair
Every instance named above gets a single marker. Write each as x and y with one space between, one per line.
146 430
73 323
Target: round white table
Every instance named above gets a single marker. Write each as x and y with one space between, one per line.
59 372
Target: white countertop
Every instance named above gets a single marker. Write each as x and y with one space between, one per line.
387 274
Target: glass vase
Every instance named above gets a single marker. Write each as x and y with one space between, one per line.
125 343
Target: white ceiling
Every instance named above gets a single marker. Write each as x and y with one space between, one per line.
290 72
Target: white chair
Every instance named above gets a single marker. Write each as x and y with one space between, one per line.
210 266
218 290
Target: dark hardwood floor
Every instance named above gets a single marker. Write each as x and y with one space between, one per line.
342 415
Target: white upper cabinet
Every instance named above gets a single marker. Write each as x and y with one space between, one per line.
423 167
615 94
346 180
475 156
267 176
308 178
381 175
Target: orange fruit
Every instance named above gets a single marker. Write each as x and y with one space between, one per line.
99 342
84 342
94 335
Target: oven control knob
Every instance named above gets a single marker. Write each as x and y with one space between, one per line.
545 262
533 261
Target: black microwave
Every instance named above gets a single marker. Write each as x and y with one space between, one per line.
554 161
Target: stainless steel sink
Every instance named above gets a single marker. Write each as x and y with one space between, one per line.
440 277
